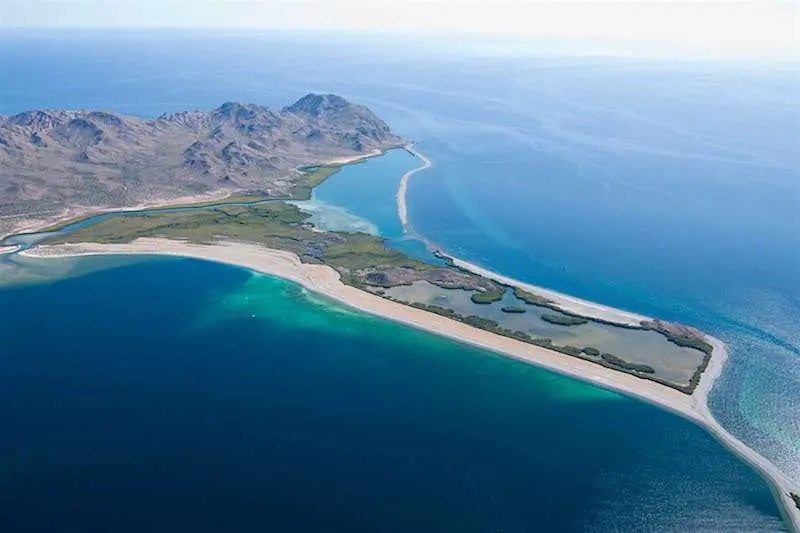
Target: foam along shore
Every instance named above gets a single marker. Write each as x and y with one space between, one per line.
9 248
325 280
402 206
697 409
563 301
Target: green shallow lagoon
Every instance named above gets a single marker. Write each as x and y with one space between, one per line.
180 395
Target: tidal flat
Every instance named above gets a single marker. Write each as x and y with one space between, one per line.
671 362
365 261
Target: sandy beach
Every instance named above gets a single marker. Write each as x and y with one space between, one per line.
325 280
353 158
9 249
566 302
402 207
697 408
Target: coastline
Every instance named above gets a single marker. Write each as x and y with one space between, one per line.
402 206
564 301
315 278
26 225
348 160
325 280
39 225
9 249
699 412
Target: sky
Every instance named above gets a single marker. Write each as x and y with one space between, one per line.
712 27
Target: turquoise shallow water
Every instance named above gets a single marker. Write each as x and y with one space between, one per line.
369 190
665 188
178 395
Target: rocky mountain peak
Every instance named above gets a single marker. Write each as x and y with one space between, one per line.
235 110
37 119
246 117
315 105
101 158
362 125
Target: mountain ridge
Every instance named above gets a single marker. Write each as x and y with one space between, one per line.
55 159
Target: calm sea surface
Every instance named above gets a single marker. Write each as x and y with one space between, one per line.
179 395
669 189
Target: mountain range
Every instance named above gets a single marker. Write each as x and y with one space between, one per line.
54 160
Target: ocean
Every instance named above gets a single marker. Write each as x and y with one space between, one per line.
180 395
668 188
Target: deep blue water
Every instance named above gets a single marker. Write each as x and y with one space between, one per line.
178 395
670 189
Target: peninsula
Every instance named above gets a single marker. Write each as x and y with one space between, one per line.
224 176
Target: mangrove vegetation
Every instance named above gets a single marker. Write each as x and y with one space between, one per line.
564 320
366 262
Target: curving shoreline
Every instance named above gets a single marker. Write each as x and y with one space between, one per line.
698 411
37 224
9 249
325 280
402 207
348 160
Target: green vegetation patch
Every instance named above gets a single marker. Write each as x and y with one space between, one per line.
311 177
687 341
564 320
276 225
362 261
476 321
531 298
682 336
487 297
607 359
359 258
244 198
359 250
619 362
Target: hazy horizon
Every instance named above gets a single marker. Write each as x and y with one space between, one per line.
764 28
403 44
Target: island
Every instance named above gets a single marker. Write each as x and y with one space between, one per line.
564 319
217 185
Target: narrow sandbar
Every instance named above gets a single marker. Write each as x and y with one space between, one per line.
697 408
402 206
8 248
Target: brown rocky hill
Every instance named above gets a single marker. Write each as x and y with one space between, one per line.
51 160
